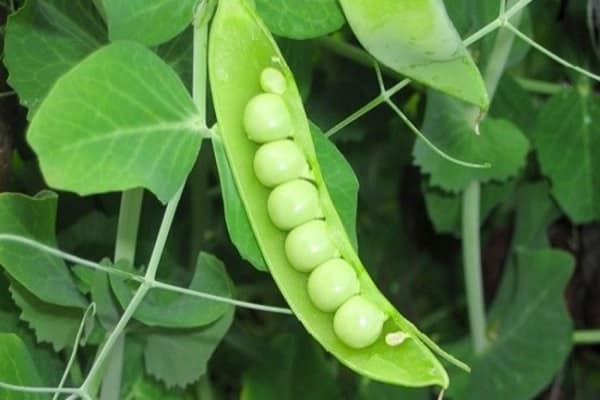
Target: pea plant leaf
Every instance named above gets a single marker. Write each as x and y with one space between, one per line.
179 358
100 122
169 309
418 39
40 273
337 172
567 144
43 40
444 209
178 53
531 339
500 143
301 19
17 368
52 324
290 367
149 22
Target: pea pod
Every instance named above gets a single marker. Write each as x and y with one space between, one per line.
240 49
417 38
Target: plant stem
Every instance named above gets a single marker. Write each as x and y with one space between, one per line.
540 87
199 94
471 198
586 337
127 232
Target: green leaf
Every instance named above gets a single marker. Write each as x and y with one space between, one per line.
120 119
292 368
43 40
499 143
52 324
45 275
531 337
372 390
418 39
444 209
301 19
178 53
236 219
179 358
512 102
17 368
149 22
175 310
108 309
567 143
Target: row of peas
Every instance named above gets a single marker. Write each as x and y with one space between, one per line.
293 206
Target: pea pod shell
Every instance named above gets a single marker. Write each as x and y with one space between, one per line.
240 48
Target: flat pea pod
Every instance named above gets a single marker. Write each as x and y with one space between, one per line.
240 48
416 38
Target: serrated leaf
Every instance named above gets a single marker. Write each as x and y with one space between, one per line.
337 172
301 19
43 40
175 310
567 142
17 368
52 324
179 358
529 339
499 143
292 368
120 119
149 22
418 39
45 275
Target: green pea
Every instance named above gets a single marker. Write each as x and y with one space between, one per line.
279 162
272 81
358 323
331 284
293 203
267 118
309 245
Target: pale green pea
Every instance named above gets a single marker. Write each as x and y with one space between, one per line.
279 162
331 284
309 245
358 323
267 118
272 81
293 203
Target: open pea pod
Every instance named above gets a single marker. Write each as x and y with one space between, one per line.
416 38
240 48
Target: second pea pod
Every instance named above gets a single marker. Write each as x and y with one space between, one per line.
266 136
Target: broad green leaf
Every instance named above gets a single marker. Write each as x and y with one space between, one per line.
292 368
378 391
45 275
444 209
567 142
418 39
178 53
52 324
175 310
149 22
301 57
500 143
341 181
43 40
120 119
301 19
17 368
531 338
108 310
179 358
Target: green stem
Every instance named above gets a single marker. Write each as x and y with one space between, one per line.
540 87
471 199
586 336
127 233
199 94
